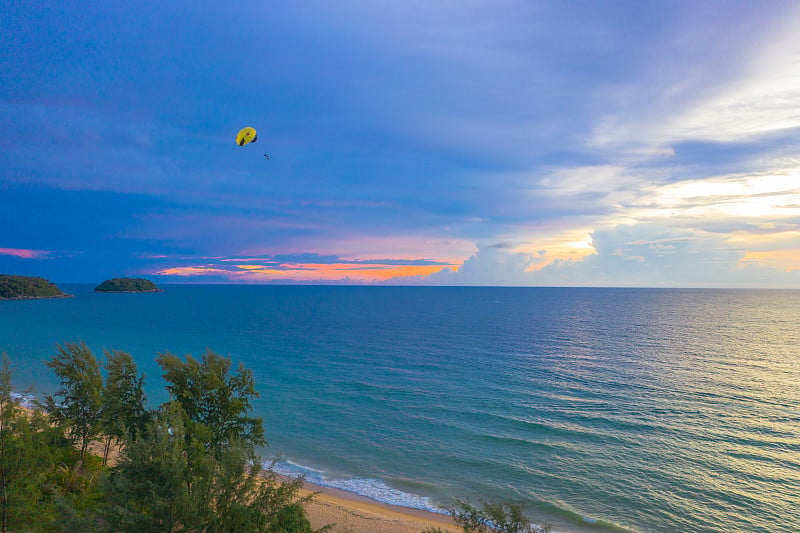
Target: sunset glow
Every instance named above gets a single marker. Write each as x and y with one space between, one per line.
308 272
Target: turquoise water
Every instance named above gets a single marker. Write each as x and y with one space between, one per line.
636 409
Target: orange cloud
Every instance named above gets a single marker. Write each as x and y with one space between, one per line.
571 245
192 271
310 272
786 260
337 271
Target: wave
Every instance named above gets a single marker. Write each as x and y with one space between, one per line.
378 490
374 489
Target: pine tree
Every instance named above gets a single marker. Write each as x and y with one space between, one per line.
151 487
492 517
26 460
215 401
11 453
77 404
168 481
123 413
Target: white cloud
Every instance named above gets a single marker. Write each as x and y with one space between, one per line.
761 196
640 255
584 179
705 89
765 99
490 265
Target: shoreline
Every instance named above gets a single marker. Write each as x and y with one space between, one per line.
127 292
354 513
18 298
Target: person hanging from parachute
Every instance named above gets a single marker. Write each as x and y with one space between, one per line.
246 136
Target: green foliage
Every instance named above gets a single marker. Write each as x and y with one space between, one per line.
165 481
127 285
245 498
178 471
24 469
508 518
292 519
13 454
77 405
468 517
38 490
215 401
150 488
492 517
76 492
19 287
277 504
123 413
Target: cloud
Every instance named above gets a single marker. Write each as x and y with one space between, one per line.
26 254
490 265
639 255
296 268
765 99
705 87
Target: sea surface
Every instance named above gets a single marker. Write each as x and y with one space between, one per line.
645 410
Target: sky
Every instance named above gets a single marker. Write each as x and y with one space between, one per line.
520 143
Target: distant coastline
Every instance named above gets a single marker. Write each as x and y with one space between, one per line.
151 290
22 297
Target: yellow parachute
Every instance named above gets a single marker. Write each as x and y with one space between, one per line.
246 136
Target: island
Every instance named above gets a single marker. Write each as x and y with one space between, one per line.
127 285
27 287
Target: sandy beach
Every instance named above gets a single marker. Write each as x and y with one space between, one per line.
351 513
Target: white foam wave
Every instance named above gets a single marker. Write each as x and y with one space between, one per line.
374 489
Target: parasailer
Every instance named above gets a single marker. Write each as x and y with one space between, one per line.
246 136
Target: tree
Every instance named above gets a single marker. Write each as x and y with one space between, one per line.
166 481
174 473
12 451
468 517
215 401
27 454
150 488
77 404
492 517
123 413
509 518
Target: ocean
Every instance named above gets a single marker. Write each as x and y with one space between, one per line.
649 410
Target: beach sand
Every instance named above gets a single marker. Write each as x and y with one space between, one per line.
351 513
